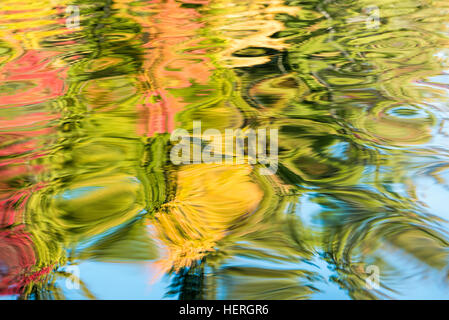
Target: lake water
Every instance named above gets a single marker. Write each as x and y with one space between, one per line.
92 205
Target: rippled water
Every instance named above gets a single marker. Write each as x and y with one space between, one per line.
92 207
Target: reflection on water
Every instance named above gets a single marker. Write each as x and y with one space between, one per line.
92 207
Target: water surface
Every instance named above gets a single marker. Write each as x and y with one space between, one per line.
91 207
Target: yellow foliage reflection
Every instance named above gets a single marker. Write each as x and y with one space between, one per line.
209 201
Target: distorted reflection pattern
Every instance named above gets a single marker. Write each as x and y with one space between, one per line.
91 207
